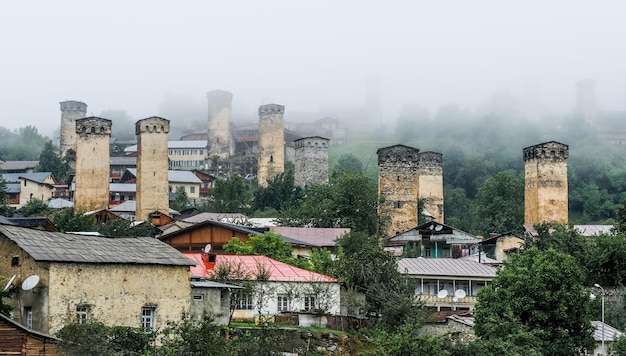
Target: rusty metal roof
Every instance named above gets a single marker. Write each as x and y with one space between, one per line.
452 267
63 247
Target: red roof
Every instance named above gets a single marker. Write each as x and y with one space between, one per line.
278 271
316 236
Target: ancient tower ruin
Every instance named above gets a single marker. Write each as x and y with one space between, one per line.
92 164
70 112
220 111
430 176
152 167
271 161
311 160
586 100
545 194
398 185
406 177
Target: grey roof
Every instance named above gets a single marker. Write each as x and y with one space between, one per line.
38 177
122 187
123 161
58 203
176 144
175 176
14 187
610 333
211 284
224 217
131 206
18 165
62 247
593 230
445 267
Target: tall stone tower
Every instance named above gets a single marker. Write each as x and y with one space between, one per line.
311 160
271 160
398 184
545 194
430 176
92 164
152 167
70 111
586 100
220 112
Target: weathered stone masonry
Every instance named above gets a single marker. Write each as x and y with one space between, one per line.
220 112
92 164
152 167
271 161
311 160
70 111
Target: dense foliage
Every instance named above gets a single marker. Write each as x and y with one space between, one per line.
5 209
49 161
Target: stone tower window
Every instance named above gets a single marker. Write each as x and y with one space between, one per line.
271 160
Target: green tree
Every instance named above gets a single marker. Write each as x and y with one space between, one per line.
349 162
540 296
182 200
189 337
562 238
606 259
229 196
49 161
35 207
269 244
499 204
124 228
5 307
5 209
278 192
96 338
67 220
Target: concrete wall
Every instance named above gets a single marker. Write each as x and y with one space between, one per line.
70 112
546 189
220 112
31 189
271 160
398 184
191 195
311 161
215 301
92 164
152 167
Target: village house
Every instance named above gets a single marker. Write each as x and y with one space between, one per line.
22 187
212 298
447 283
499 246
434 240
176 179
311 237
273 287
182 155
62 278
19 340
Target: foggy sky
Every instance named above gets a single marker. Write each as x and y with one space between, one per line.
306 55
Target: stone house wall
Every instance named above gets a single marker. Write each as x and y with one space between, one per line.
430 176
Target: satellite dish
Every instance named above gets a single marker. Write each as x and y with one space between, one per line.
207 248
455 299
438 227
30 282
460 293
442 293
10 282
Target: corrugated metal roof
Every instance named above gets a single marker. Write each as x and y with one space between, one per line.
122 187
58 203
223 217
176 144
444 267
175 176
593 230
610 333
320 237
131 206
278 271
211 284
123 161
62 247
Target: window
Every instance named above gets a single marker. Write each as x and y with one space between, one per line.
445 253
397 204
192 189
148 315
427 252
309 302
283 302
197 297
15 261
244 302
82 313
28 317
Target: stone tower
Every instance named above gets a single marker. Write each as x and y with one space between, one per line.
398 184
430 176
271 160
586 100
311 160
70 111
220 111
92 164
545 194
152 167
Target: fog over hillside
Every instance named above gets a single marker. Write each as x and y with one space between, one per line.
354 60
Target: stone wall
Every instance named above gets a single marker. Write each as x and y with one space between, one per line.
70 112
92 164
311 160
271 159
152 167
546 189
220 112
